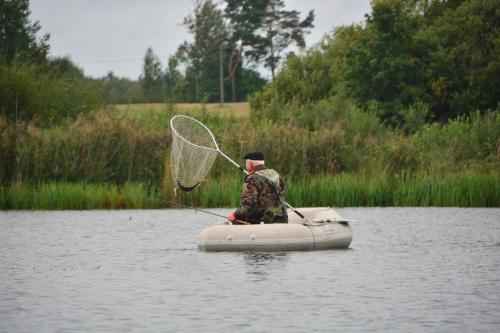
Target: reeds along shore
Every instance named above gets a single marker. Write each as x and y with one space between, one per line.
465 189
119 159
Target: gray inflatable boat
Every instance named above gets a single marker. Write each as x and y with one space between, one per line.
322 229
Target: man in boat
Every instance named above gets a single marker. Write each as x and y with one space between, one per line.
262 195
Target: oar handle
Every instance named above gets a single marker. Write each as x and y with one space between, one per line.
294 210
240 222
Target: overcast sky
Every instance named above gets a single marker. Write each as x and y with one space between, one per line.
113 35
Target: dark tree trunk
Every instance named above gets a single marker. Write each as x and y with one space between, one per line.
234 61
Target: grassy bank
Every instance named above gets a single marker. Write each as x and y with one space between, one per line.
112 147
465 189
77 196
332 153
239 110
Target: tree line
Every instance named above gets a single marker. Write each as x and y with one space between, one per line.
224 37
34 86
228 39
410 62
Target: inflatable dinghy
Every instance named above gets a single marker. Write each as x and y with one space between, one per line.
322 229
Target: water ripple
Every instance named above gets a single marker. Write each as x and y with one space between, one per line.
408 269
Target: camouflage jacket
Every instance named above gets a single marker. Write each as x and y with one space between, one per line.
263 198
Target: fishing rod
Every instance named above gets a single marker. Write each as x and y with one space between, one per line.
173 203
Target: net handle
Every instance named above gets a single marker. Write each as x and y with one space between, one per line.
217 150
233 162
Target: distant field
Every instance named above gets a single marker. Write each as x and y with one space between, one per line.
238 109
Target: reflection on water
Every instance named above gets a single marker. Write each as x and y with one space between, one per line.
262 265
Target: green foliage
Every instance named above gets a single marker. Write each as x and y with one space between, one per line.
114 90
18 40
463 143
202 55
204 58
174 82
220 192
350 158
415 117
33 87
118 146
152 78
97 148
463 58
245 19
411 62
261 30
323 122
282 28
384 61
77 196
249 81
464 189
317 75
47 98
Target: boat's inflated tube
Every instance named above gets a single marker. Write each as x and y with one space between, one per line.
322 229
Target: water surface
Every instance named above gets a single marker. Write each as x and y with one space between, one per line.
408 269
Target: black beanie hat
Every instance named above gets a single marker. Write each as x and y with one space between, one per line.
255 156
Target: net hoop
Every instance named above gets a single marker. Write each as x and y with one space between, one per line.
193 151
172 127
187 166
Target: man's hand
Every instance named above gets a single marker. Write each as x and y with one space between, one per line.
232 217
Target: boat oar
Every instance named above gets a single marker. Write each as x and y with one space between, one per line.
200 210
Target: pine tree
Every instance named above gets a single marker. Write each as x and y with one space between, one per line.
283 28
152 78
18 41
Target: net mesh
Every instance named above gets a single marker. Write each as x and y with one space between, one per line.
193 152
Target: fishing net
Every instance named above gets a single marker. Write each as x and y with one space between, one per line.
193 152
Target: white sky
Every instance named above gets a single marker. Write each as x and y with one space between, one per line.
104 35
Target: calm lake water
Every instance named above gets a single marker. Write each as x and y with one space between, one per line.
408 269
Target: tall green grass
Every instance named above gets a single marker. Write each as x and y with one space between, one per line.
77 196
331 153
119 147
341 191
467 189
464 189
